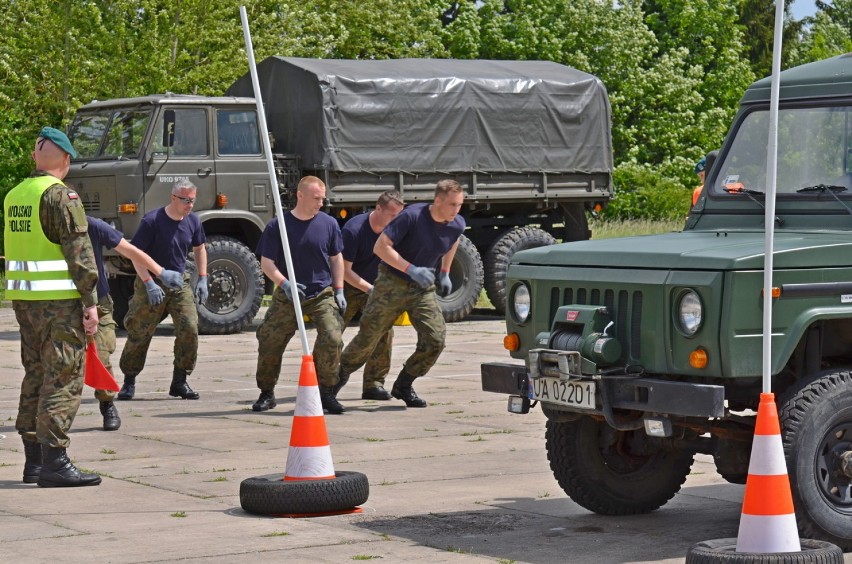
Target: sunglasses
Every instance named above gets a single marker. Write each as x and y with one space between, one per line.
184 200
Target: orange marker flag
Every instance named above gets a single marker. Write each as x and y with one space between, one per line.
97 376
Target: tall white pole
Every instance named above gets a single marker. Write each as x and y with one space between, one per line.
273 177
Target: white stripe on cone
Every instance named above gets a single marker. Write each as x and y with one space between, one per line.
308 401
309 462
767 456
768 534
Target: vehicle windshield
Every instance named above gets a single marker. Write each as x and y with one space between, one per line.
813 149
109 133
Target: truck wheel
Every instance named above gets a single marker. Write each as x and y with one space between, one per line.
120 290
725 550
576 223
498 257
613 472
272 495
235 282
816 429
466 276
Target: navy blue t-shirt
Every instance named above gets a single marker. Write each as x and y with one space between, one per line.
311 243
102 235
421 240
359 239
168 241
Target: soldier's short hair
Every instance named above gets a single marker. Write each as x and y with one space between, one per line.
307 181
446 186
388 197
183 184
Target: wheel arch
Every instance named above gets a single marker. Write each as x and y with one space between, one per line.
245 227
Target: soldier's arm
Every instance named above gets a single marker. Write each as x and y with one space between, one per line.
336 264
385 251
144 265
200 253
352 278
267 265
447 259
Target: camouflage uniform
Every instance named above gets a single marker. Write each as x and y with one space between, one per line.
105 342
391 296
278 327
378 363
53 341
141 323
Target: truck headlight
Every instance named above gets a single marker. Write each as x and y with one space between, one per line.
520 302
689 313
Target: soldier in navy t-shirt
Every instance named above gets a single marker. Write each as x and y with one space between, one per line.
360 269
419 243
316 246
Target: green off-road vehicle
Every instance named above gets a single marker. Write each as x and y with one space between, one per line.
644 351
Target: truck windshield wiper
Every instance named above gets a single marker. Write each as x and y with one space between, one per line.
830 188
751 196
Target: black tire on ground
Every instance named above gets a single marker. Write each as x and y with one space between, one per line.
271 495
120 290
235 282
576 223
725 550
816 430
466 276
613 472
498 257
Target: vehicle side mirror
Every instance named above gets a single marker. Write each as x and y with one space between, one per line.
169 128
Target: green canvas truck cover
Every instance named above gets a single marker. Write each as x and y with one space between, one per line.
435 115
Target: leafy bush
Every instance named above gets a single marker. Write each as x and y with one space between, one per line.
645 193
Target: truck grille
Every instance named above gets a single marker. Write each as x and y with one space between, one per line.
625 307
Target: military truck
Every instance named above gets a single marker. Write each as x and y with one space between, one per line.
643 351
530 142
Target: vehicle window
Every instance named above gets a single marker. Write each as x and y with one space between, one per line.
237 132
124 137
190 129
813 148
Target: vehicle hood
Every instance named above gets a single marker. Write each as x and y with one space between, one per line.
698 250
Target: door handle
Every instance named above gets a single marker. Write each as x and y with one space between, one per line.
205 172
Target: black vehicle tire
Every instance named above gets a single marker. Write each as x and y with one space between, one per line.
120 290
576 223
466 276
816 430
613 472
235 282
271 495
498 257
725 550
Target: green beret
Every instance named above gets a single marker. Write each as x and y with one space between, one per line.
59 139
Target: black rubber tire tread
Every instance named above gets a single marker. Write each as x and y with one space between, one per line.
574 452
120 290
466 276
576 222
806 417
498 256
271 495
724 550
241 257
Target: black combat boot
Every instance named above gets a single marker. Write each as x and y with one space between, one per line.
342 379
329 402
32 466
128 389
403 390
377 393
111 419
265 402
59 472
180 388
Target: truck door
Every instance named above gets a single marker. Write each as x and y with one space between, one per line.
241 170
181 147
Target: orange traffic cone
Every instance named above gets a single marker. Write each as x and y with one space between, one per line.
309 457
97 376
768 521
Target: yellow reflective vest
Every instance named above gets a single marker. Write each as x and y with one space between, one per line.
35 266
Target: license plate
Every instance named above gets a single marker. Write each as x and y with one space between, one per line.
570 393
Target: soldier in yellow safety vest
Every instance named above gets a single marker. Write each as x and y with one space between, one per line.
50 277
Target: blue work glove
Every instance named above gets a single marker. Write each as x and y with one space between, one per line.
424 277
288 289
341 301
444 284
172 279
201 291
155 293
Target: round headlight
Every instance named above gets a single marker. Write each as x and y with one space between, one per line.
689 313
521 302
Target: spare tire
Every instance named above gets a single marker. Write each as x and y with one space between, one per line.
466 277
272 495
498 257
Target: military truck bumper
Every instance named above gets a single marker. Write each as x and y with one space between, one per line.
651 395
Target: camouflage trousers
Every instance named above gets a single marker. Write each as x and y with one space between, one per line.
105 342
141 322
278 327
390 297
53 352
378 364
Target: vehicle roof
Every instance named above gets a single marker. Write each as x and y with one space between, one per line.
821 79
167 98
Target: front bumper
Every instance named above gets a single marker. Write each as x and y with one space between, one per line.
649 395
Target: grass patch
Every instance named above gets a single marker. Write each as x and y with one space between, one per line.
364 557
277 534
218 479
107 451
180 514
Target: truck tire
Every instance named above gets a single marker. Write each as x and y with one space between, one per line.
466 276
613 472
498 257
235 282
120 290
576 223
725 550
816 430
272 495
